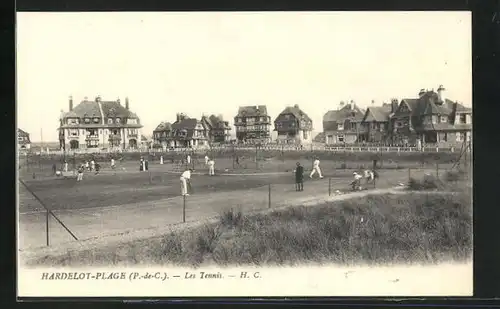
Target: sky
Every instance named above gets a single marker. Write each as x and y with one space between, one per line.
213 62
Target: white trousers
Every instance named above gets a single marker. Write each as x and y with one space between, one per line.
206 161
65 167
79 177
183 186
316 170
211 170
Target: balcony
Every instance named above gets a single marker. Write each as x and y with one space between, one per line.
92 137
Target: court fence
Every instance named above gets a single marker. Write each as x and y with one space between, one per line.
253 199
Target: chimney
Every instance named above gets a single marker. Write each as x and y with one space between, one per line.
296 106
373 102
98 98
70 103
394 105
85 98
441 93
118 101
126 103
421 92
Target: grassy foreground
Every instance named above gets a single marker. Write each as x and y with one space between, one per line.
375 229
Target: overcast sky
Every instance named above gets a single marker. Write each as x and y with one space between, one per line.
207 62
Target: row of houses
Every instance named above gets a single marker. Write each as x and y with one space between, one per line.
429 118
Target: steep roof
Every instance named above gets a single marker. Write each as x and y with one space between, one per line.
163 126
378 113
186 124
296 111
21 132
344 113
429 103
252 111
92 108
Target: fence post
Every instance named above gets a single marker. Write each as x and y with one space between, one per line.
150 177
329 186
269 200
184 209
437 170
409 174
47 225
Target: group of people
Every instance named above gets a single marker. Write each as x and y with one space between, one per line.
368 175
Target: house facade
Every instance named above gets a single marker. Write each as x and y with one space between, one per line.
162 135
219 130
99 124
293 126
253 125
343 126
187 132
376 125
23 140
431 119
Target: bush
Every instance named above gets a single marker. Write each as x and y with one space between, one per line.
374 229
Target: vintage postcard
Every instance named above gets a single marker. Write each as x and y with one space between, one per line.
244 154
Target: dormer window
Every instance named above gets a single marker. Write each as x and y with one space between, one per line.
132 121
341 126
96 120
110 121
118 120
87 120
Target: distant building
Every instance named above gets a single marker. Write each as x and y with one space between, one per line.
343 126
23 140
187 132
99 124
253 124
375 125
293 126
431 118
219 130
162 135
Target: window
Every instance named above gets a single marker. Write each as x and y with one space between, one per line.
110 121
262 118
340 138
399 124
434 119
20 139
73 132
87 120
73 121
463 118
96 120
443 119
353 126
132 121
305 134
118 120
115 132
341 126
374 125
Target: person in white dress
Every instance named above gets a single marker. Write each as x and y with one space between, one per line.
112 163
188 158
206 160
92 165
211 167
185 179
369 176
316 169
356 184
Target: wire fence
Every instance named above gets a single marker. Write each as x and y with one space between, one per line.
149 203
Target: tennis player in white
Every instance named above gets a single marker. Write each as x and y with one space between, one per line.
316 169
185 178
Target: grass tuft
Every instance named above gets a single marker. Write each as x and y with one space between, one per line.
375 229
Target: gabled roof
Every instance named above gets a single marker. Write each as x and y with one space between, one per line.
185 124
429 104
378 113
252 111
115 109
163 126
296 112
344 113
22 132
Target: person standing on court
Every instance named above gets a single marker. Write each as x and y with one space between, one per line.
299 177
316 169
185 179
206 160
65 166
211 167
112 163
